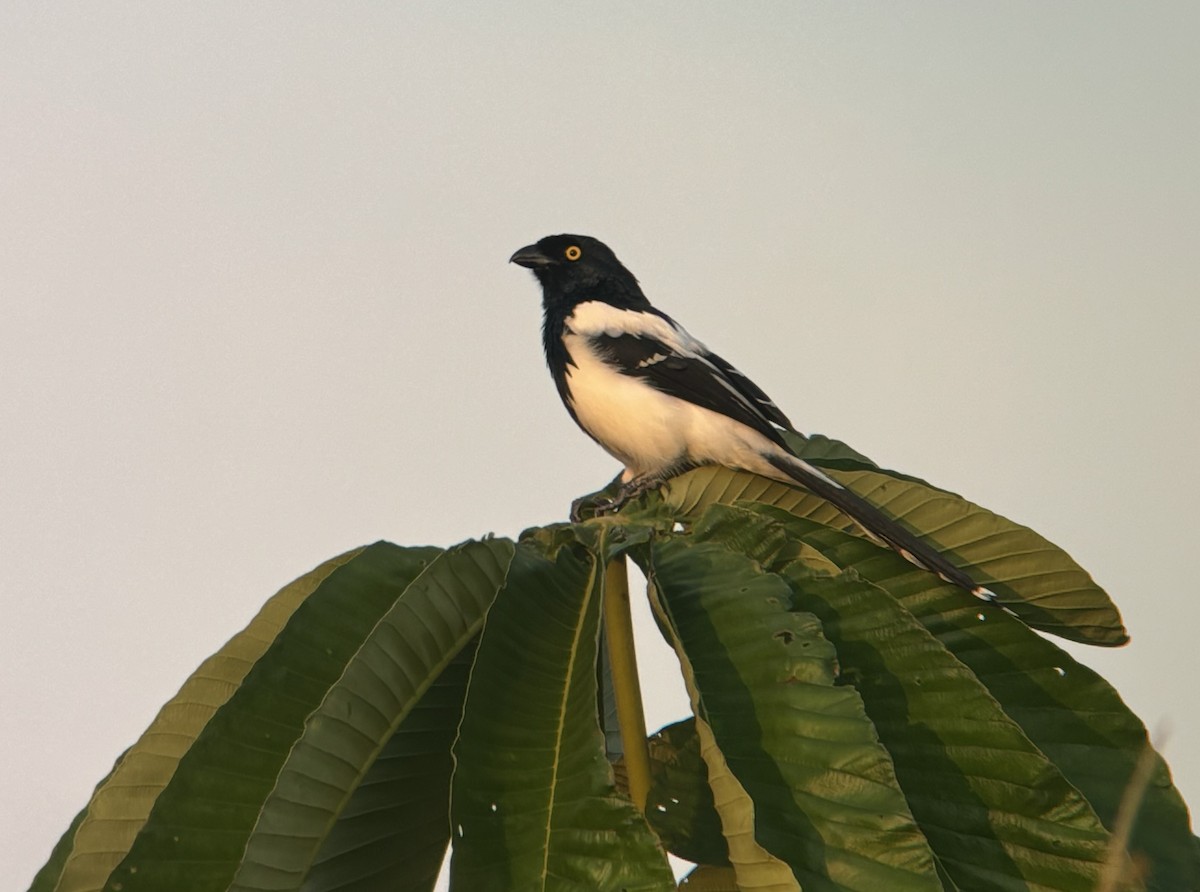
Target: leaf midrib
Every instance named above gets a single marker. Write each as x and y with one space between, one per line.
580 622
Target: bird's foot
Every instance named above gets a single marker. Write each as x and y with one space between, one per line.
595 505
587 506
598 505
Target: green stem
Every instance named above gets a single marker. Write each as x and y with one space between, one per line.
618 632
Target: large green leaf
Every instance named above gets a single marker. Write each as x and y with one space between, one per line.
995 810
392 833
1031 576
122 802
1068 711
387 677
197 832
753 866
332 671
534 806
826 799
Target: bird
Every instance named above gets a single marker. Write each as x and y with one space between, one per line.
661 403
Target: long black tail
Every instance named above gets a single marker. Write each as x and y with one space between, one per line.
876 524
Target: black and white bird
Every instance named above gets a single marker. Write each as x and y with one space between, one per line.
661 402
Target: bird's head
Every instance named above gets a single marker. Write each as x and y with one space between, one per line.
575 268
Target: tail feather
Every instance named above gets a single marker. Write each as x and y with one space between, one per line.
876 524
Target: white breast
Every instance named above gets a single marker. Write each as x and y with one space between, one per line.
639 426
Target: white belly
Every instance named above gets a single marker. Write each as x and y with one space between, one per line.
636 424
648 431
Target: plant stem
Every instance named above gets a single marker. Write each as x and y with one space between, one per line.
618 632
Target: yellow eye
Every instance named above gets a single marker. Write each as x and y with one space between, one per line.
573 252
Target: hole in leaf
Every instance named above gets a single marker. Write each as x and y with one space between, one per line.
785 635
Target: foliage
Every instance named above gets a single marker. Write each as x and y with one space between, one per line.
857 723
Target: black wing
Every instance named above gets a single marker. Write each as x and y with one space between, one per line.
752 392
700 378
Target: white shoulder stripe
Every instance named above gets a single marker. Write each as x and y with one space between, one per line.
593 318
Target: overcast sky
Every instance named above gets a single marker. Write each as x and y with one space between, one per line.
256 308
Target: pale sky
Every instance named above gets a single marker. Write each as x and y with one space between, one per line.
256 308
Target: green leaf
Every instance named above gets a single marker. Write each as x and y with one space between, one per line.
754 867
121 804
392 833
1031 576
534 806
385 679
995 810
1066 710
680 804
47 878
826 799
197 832
326 675
827 452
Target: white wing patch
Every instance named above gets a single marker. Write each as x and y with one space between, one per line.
593 318
656 358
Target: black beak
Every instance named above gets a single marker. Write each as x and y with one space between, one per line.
530 257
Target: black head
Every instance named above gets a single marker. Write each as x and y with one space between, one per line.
575 268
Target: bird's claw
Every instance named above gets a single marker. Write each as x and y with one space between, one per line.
594 506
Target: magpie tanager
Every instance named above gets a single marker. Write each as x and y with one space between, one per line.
661 402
